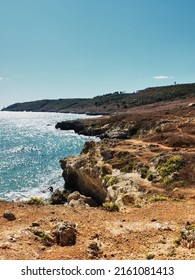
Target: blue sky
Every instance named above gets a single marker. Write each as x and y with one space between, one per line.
83 48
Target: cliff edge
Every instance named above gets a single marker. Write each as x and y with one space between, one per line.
150 151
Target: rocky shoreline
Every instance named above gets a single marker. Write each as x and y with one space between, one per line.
125 195
138 155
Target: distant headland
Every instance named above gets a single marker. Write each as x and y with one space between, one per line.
110 103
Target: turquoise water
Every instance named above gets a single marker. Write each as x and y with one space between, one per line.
30 150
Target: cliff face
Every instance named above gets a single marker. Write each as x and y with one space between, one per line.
157 155
92 175
82 173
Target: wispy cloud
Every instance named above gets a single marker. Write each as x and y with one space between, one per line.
162 77
4 78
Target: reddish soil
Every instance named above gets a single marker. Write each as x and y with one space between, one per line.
132 233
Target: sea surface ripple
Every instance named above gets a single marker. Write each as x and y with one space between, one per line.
30 150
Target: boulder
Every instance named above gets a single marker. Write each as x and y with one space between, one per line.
58 197
81 199
73 196
8 215
94 249
65 233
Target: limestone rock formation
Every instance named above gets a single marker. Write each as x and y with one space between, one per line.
76 197
98 172
81 176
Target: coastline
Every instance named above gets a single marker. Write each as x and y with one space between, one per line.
151 214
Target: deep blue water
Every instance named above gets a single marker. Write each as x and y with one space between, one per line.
30 150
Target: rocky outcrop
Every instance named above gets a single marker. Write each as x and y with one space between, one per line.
84 127
102 127
95 249
81 176
76 125
54 231
103 174
125 171
137 154
8 215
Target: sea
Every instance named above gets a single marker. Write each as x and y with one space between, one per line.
30 150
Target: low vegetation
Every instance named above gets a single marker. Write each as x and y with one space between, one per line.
157 198
111 206
171 165
149 256
168 169
110 180
190 227
35 201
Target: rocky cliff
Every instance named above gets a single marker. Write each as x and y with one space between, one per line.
83 173
140 154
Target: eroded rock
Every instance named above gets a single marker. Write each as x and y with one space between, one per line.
95 249
188 235
8 215
83 176
58 197
65 233
75 198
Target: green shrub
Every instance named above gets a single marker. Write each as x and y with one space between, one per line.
190 227
171 165
111 206
167 180
47 239
110 180
137 205
157 198
35 201
129 166
149 256
44 237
